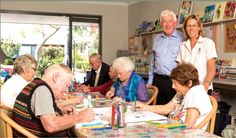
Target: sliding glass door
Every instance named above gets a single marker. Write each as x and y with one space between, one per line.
85 41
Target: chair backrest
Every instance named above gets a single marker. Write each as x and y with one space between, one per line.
152 94
3 126
210 117
8 124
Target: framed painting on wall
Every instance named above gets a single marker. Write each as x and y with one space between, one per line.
230 37
184 10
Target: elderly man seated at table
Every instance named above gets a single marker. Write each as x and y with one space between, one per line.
104 87
191 104
99 72
36 109
24 69
130 86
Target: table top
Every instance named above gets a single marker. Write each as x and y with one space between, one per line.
140 128
136 126
143 130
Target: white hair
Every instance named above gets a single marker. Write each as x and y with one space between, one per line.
124 62
166 13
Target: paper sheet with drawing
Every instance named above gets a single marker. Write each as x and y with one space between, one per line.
142 116
102 117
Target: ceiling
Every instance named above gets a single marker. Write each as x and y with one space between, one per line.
60 20
33 19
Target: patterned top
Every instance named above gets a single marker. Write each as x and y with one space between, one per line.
135 89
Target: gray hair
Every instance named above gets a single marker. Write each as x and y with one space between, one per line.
166 13
24 63
125 62
95 56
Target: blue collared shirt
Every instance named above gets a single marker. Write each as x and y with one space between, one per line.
165 50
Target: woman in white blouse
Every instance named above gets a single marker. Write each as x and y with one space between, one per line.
191 104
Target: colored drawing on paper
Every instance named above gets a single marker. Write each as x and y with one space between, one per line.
219 11
230 37
229 10
209 11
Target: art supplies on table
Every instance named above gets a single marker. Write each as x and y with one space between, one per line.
101 102
168 126
118 111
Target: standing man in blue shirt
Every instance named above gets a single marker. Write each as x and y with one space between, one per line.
165 50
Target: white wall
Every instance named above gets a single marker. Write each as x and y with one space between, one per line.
114 20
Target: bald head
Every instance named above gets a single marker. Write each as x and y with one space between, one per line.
58 77
57 68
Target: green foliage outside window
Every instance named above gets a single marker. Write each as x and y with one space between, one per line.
10 49
50 55
80 62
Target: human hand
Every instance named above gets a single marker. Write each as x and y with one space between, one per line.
86 89
147 85
69 110
80 87
86 115
110 94
140 105
206 85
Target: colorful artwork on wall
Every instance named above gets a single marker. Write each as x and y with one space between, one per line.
219 11
185 11
230 36
230 8
209 12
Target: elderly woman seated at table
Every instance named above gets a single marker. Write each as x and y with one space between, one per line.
130 86
24 70
191 104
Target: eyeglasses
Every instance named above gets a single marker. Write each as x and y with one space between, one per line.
192 26
34 68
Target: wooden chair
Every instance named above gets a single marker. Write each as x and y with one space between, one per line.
152 94
2 106
210 117
7 124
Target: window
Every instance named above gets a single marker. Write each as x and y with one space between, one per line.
76 35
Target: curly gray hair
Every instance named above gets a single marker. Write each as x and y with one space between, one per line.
124 62
23 63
